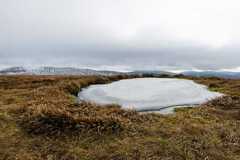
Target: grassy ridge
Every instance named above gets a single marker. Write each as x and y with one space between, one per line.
40 119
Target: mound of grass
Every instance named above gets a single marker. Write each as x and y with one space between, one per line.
76 119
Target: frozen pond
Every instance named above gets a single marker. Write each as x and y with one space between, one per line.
149 94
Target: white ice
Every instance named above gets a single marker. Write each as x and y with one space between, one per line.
149 94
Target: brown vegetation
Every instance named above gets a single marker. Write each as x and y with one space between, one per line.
41 119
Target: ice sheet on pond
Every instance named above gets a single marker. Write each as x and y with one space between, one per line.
146 94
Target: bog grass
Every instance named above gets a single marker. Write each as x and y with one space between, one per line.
41 119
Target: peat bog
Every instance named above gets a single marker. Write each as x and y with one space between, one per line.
41 119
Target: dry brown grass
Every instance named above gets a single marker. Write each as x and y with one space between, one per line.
40 119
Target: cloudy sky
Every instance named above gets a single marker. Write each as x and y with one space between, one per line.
121 34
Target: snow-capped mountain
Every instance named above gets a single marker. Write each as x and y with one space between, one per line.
13 70
55 71
78 71
70 71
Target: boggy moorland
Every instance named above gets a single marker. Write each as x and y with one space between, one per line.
41 119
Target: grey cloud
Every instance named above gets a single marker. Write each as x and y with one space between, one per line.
97 33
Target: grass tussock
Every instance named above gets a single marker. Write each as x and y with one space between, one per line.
41 119
77 118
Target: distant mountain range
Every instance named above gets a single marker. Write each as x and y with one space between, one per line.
13 70
82 71
76 71
55 71
220 74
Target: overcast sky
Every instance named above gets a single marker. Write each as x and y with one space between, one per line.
123 34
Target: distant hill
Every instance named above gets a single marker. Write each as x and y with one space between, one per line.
78 71
149 73
13 70
70 71
220 74
55 71
82 71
